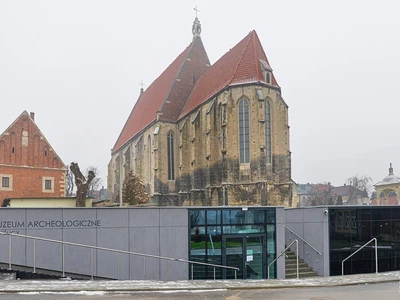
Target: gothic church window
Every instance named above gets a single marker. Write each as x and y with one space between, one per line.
171 162
244 136
149 157
267 118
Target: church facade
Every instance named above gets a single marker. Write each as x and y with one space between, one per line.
205 134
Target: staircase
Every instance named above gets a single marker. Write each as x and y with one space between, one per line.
290 267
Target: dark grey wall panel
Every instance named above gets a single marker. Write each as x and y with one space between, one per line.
143 230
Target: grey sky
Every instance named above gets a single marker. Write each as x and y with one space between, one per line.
78 64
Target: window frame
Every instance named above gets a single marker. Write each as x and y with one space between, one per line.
44 184
9 178
244 130
268 130
171 155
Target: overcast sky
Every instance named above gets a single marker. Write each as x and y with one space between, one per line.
78 63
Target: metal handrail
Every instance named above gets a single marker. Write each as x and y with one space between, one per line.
305 242
283 252
105 249
376 255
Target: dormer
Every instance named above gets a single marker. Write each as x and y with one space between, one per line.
266 70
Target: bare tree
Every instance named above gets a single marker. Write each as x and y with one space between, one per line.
82 184
322 194
362 186
69 183
96 182
361 182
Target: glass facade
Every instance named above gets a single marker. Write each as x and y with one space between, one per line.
233 237
352 227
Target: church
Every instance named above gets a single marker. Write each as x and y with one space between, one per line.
207 134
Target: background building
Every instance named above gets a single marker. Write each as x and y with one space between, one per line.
205 134
29 166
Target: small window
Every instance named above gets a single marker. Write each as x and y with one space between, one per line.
267 77
340 218
5 182
47 184
353 222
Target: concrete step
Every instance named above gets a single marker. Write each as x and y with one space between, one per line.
301 275
301 269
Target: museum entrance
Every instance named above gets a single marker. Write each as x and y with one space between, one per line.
246 252
236 237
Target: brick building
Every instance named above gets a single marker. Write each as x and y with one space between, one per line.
29 167
205 134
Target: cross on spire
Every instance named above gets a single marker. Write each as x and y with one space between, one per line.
195 8
142 85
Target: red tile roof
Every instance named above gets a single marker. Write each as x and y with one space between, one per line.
189 81
239 65
157 97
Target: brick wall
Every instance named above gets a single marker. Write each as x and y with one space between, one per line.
27 160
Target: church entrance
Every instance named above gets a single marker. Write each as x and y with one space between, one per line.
246 252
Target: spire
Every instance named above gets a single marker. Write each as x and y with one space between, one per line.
196 28
390 170
142 85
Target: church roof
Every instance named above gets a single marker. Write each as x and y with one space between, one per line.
165 97
189 81
240 65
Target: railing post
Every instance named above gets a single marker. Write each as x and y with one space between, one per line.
192 271
214 273
9 253
144 268
376 256
34 256
297 257
92 261
118 266
235 274
169 270
63 261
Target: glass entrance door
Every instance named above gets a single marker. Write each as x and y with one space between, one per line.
246 253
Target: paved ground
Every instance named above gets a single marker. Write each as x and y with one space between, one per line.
382 286
379 291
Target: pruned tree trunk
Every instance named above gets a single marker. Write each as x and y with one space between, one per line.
82 185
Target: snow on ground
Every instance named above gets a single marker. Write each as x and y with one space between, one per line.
75 286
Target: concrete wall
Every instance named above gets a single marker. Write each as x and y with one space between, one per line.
161 232
310 223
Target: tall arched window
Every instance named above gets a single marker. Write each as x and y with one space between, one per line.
171 156
244 136
267 117
149 158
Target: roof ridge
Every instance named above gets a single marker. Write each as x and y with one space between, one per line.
177 74
126 122
241 58
256 56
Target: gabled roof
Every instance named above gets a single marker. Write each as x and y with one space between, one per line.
165 97
240 65
347 190
26 114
